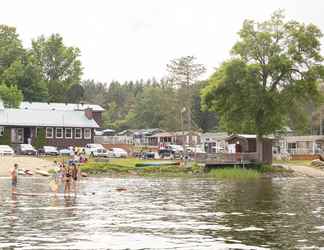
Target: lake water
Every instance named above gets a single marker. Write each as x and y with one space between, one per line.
171 213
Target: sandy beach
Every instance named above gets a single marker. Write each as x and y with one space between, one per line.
26 162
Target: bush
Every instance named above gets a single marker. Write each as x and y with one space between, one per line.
6 138
40 140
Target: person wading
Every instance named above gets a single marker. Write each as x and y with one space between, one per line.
14 178
67 179
75 176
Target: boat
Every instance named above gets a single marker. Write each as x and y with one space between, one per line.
41 172
21 172
28 172
157 163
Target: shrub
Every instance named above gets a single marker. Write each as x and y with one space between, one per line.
40 140
6 138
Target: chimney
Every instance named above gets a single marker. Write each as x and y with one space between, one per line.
88 113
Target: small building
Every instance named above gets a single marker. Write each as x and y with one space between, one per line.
300 145
47 106
246 147
214 142
63 125
162 138
187 138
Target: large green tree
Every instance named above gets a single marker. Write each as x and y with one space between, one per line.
156 107
184 73
25 73
275 69
11 47
18 67
60 65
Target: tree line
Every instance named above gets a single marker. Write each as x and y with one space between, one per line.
149 103
271 80
50 71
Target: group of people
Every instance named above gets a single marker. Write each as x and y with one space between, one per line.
66 174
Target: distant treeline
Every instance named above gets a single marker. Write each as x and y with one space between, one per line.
148 104
50 71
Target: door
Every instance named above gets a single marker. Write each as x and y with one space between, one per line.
17 135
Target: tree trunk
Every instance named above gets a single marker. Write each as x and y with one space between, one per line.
259 148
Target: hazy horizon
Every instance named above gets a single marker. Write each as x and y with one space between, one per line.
130 40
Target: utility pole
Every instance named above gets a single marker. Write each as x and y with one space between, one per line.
320 120
183 136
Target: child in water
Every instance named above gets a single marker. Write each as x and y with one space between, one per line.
14 178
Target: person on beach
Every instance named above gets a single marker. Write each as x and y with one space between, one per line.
14 177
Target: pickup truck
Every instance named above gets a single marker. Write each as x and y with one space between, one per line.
97 150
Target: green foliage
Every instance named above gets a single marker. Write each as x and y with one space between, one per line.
40 139
74 94
6 138
94 92
18 67
10 47
60 65
275 69
184 73
11 96
146 104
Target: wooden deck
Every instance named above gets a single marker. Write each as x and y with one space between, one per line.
222 160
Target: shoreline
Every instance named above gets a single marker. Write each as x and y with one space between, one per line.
24 162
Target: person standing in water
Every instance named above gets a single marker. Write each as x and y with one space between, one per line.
14 178
75 175
67 179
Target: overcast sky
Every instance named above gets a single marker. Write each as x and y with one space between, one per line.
133 39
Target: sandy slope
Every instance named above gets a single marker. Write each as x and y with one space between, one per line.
306 171
26 162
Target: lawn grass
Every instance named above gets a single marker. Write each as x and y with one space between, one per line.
234 173
128 166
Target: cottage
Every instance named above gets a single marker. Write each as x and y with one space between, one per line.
60 124
300 145
214 142
246 146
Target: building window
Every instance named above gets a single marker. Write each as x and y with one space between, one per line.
1 131
49 132
68 133
87 133
59 133
78 133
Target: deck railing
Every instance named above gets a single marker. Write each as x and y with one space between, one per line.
229 157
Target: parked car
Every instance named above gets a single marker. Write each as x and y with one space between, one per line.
6 150
166 153
119 152
176 148
97 150
65 151
26 149
148 155
48 150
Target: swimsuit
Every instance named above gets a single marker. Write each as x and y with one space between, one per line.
14 182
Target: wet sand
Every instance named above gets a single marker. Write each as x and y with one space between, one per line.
26 162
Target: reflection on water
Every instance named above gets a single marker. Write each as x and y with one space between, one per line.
165 214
